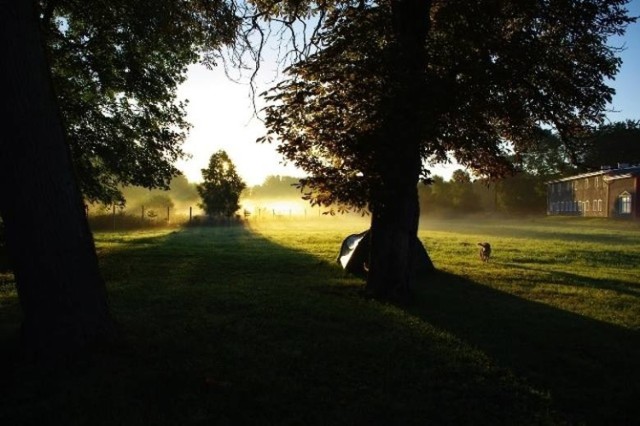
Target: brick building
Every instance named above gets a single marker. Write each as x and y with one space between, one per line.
606 193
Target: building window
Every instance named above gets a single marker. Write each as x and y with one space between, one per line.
599 205
586 183
625 203
597 183
586 206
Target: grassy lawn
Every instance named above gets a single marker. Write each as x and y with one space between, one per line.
258 325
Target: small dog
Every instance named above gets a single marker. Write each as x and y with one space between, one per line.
485 251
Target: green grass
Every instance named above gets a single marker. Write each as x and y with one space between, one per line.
258 325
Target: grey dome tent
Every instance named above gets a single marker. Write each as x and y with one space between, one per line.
354 255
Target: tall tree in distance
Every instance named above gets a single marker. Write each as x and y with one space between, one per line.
397 83
463 197
116 66
221 186
611 144
545 156
51 248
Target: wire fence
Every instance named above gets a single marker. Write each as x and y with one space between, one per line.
116 218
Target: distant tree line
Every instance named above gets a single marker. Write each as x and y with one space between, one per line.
145 207
546 158
522 193
217 195
274 187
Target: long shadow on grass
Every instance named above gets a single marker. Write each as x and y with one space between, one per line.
590 367
222 326
225 327
576 280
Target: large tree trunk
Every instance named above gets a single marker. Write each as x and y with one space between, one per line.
61 292
394 227
395 207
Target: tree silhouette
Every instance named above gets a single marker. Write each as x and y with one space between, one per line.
275 186
463 197
221 186
398 83
51 248
522 193
116 67
546 156
611 144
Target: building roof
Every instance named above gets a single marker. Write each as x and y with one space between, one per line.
607 174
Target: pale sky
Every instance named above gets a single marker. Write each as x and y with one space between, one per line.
221 113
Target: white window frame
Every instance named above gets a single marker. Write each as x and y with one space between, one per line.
624 201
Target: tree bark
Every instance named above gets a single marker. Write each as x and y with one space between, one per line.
61 291
395 207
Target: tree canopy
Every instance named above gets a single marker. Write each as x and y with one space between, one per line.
611 144
221 186
546 156
488 86
116 66
275 186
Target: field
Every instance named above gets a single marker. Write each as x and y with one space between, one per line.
258 325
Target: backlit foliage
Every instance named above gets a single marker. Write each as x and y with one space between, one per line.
116 66
221 186
496 72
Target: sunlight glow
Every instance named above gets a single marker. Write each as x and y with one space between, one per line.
222 114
